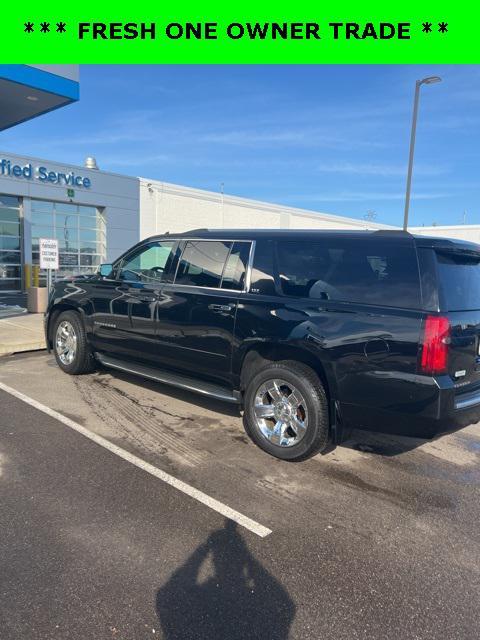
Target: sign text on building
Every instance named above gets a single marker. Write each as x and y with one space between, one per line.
42 174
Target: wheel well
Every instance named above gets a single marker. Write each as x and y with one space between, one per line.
262 355
53 315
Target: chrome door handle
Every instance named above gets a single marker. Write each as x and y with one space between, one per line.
147 298
220 307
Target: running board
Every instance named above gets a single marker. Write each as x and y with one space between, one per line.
171 378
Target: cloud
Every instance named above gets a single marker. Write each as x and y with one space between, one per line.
136 160
361 196
249 138
381 169
299 138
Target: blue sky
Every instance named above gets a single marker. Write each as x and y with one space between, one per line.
327 138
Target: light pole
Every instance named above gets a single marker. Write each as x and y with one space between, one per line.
418 84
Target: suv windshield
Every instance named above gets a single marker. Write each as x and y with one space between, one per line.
459 276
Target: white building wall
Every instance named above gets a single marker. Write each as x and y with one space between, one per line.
168 207
469 232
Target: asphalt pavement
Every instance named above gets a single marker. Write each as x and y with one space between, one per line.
377 539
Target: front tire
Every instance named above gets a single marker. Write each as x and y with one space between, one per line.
70 345
286 411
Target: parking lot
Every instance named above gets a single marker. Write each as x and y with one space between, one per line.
378 538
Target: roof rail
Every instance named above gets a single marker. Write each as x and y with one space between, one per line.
392 232
190 231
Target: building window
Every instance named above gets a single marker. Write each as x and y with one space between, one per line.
80 231
10 244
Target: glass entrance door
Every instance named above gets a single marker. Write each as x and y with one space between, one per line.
80 231
10 244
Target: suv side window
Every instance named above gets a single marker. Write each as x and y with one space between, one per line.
263 277
202 263
235 270
150 264
369 272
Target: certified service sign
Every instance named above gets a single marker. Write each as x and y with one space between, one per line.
48 253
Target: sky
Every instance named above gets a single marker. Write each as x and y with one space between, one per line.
326 138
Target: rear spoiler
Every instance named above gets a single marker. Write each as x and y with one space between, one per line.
459 251
457 247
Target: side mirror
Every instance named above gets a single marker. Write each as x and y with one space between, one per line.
105 270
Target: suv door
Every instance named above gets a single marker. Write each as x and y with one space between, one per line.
142 275
196 314
131 297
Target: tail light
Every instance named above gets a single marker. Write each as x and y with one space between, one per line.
434 357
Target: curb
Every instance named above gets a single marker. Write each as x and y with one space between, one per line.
10 349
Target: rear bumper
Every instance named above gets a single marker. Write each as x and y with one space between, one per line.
419 407
468 400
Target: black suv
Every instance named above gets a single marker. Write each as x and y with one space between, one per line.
309 331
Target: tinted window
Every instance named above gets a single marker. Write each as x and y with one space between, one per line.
262 276
459 277
234 272
350 270
150 265
202 263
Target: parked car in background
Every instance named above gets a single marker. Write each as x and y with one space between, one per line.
308 331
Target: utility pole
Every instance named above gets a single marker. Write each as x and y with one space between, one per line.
418 84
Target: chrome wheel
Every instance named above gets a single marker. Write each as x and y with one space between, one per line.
66 342
280 412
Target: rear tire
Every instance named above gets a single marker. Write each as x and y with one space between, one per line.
286 411
70 345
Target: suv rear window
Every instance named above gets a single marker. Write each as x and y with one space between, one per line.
380 273
459 277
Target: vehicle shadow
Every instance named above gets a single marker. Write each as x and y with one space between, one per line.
383 444
222 591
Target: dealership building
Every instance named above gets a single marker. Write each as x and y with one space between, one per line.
96 215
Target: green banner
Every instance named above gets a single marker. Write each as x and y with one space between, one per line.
253 32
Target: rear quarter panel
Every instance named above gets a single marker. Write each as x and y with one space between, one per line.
369 354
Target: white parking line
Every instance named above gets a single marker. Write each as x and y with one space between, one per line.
205 499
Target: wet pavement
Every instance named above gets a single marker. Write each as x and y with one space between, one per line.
379 538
